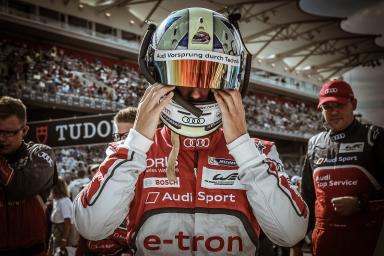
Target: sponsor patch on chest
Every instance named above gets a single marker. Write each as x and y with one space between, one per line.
155 182
351 147
340 159
223 179
326 181
221 161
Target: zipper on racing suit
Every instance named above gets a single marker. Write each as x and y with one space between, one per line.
6 238
195 162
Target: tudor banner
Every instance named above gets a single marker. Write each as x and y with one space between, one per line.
80 130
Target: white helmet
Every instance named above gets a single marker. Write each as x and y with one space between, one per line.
195 48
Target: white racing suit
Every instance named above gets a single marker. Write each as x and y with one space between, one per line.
223 195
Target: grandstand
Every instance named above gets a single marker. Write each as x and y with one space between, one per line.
68 59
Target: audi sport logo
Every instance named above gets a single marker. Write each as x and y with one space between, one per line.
196 143
319 161
193 120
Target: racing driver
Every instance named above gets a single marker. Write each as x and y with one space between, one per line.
200 185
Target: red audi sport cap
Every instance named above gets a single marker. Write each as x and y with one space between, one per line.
335 91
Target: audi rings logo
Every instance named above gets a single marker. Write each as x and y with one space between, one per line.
167 111
330 90
193 120
198 143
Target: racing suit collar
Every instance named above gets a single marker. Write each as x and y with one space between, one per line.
13 157
344 133
191 144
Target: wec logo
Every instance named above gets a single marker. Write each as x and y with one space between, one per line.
227 179
232 176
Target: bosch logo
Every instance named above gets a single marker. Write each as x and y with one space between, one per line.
196 143
193 120
331 90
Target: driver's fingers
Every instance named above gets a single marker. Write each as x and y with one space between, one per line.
226 97
154 93
236 98
164 101
232 100
147 91
159 93
220 101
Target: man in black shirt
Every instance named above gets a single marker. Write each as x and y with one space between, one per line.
343 178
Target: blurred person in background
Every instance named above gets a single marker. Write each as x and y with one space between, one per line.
92 170
77 184
113 245
27 173
123 122
296 181
61 218
343 178
180 183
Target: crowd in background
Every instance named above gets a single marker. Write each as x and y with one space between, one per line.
55 71
70 160
270 113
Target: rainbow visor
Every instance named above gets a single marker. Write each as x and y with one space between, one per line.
198 69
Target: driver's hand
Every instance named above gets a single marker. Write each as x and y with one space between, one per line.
233 114
155 98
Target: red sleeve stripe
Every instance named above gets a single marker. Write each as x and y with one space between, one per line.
298 203
92 191
6 173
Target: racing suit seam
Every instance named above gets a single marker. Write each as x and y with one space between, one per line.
107 179
272 214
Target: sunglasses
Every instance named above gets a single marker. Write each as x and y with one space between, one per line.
8 134
119 136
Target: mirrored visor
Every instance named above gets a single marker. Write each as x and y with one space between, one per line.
198 69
